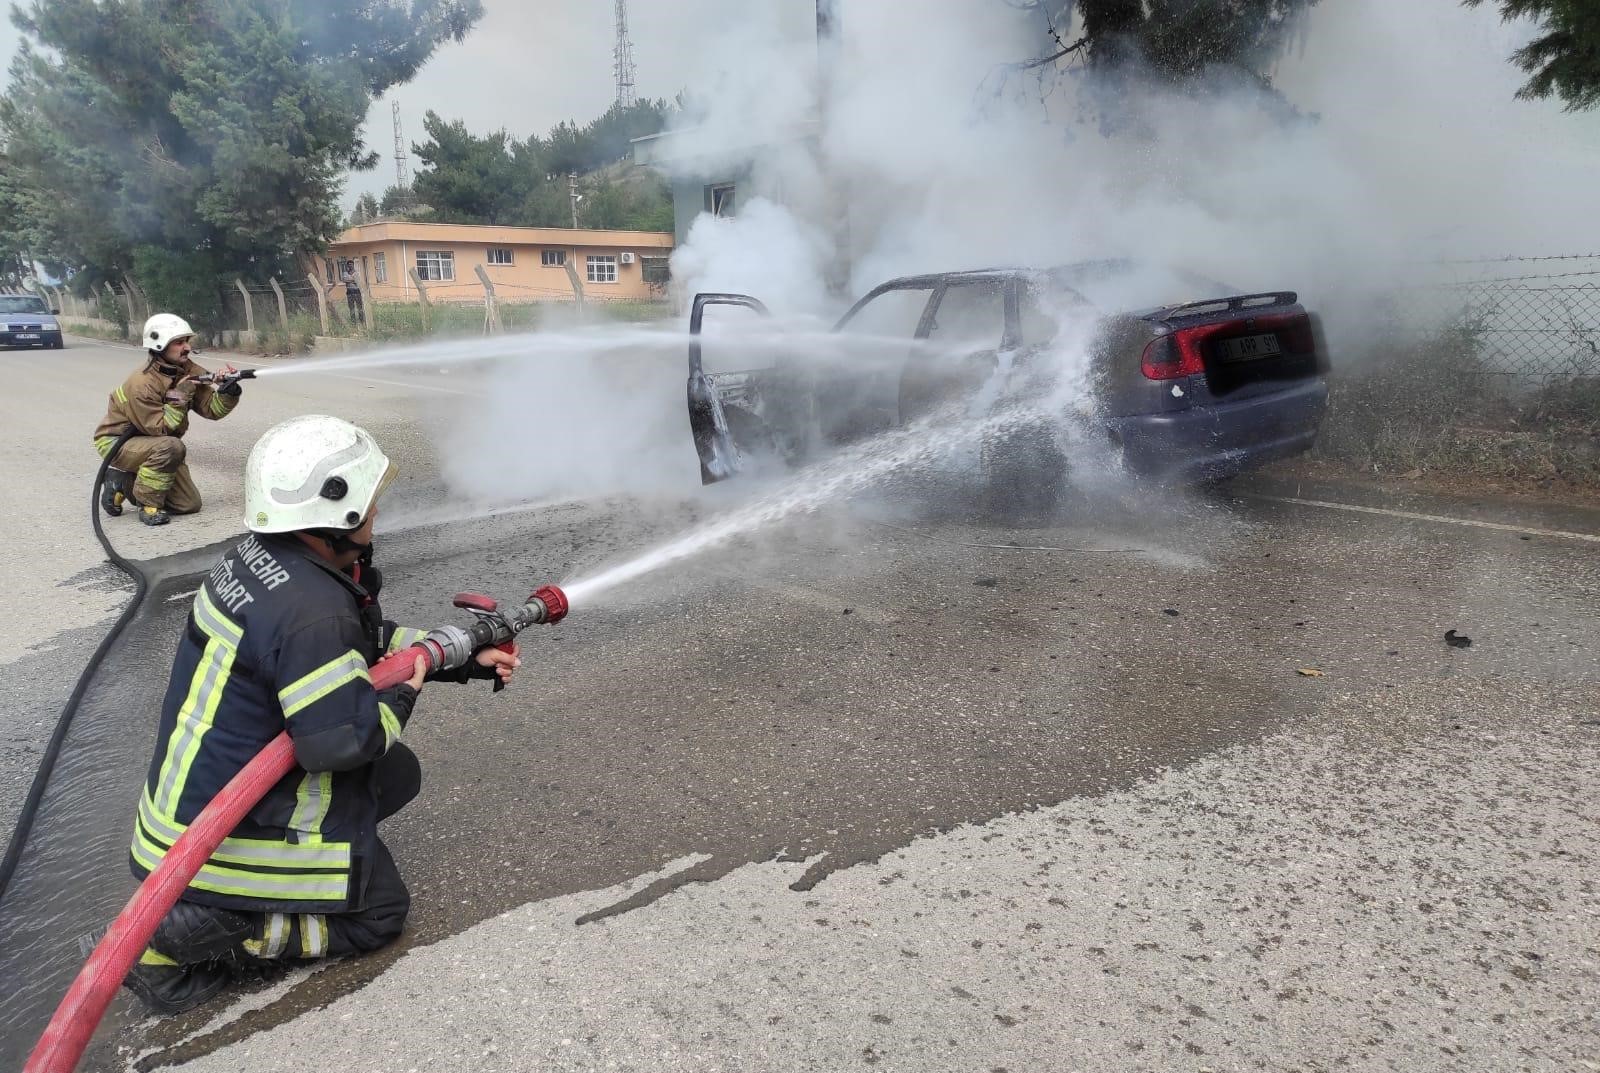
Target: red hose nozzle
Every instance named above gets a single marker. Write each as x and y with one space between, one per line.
555 603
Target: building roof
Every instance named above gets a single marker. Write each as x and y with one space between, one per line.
695 148
493 234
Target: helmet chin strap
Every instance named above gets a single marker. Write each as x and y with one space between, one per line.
160 362
342 543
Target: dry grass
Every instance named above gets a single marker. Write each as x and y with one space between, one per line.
1435 408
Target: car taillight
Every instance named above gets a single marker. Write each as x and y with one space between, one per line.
1182 352
1177 354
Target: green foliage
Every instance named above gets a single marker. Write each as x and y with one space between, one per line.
495 179
366 209
185 284
1564 60
1175 39
468 178
1433 404
217 128
407 320
397 201
108 308
639 206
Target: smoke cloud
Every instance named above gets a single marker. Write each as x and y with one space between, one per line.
1394 142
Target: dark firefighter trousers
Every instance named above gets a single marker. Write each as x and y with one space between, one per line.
317 935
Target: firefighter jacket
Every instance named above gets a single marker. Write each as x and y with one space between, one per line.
277 639
155 403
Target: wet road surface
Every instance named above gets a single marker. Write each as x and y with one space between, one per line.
832 690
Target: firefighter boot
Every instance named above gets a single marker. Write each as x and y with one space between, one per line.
190 933
114 492
153 516
167 987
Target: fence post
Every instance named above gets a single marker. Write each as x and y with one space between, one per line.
491 306
134 301
577 285
322 301
249 310
283 308
422 295
366 295
127 304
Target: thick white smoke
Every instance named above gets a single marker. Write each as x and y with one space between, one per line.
1397 142
1408 147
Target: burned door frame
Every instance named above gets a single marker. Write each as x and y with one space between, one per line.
708 422
1008 287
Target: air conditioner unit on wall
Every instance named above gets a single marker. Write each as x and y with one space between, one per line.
626 258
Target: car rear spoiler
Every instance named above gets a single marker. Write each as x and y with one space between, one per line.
1228 305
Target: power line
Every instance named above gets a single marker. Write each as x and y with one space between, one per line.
1503 260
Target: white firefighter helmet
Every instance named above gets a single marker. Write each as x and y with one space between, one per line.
313 472
163 328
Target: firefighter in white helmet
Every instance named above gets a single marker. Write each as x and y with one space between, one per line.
279 638
154 405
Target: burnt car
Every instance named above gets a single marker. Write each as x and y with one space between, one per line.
1183 379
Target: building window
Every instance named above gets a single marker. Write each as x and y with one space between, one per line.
436 265
327 264
655 270
720 199
553 258
380 268
499 256
602 269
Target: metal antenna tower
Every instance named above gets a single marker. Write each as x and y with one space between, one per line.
622 57
400 169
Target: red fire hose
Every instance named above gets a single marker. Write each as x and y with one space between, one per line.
68 1033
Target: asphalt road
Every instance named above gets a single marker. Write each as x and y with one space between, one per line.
883 787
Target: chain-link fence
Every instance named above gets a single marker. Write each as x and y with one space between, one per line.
1532 327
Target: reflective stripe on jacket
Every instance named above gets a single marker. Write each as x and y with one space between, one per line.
141 402
276 639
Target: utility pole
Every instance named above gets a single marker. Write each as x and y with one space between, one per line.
572 193
836 190
622 57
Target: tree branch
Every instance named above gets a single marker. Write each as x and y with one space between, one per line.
1066 50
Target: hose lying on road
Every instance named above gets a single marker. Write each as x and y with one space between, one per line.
47 763
70 1029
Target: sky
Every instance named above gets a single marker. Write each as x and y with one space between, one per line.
529 64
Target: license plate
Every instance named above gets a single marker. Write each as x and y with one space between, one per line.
1250 347
25 335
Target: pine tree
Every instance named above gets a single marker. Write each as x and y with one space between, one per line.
1564 60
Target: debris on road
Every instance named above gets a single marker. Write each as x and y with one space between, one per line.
1457 640
1311 672
986 582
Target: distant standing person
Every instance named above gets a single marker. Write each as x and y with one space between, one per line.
352 290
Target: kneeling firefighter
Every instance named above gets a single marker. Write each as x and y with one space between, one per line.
280 638
154 404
